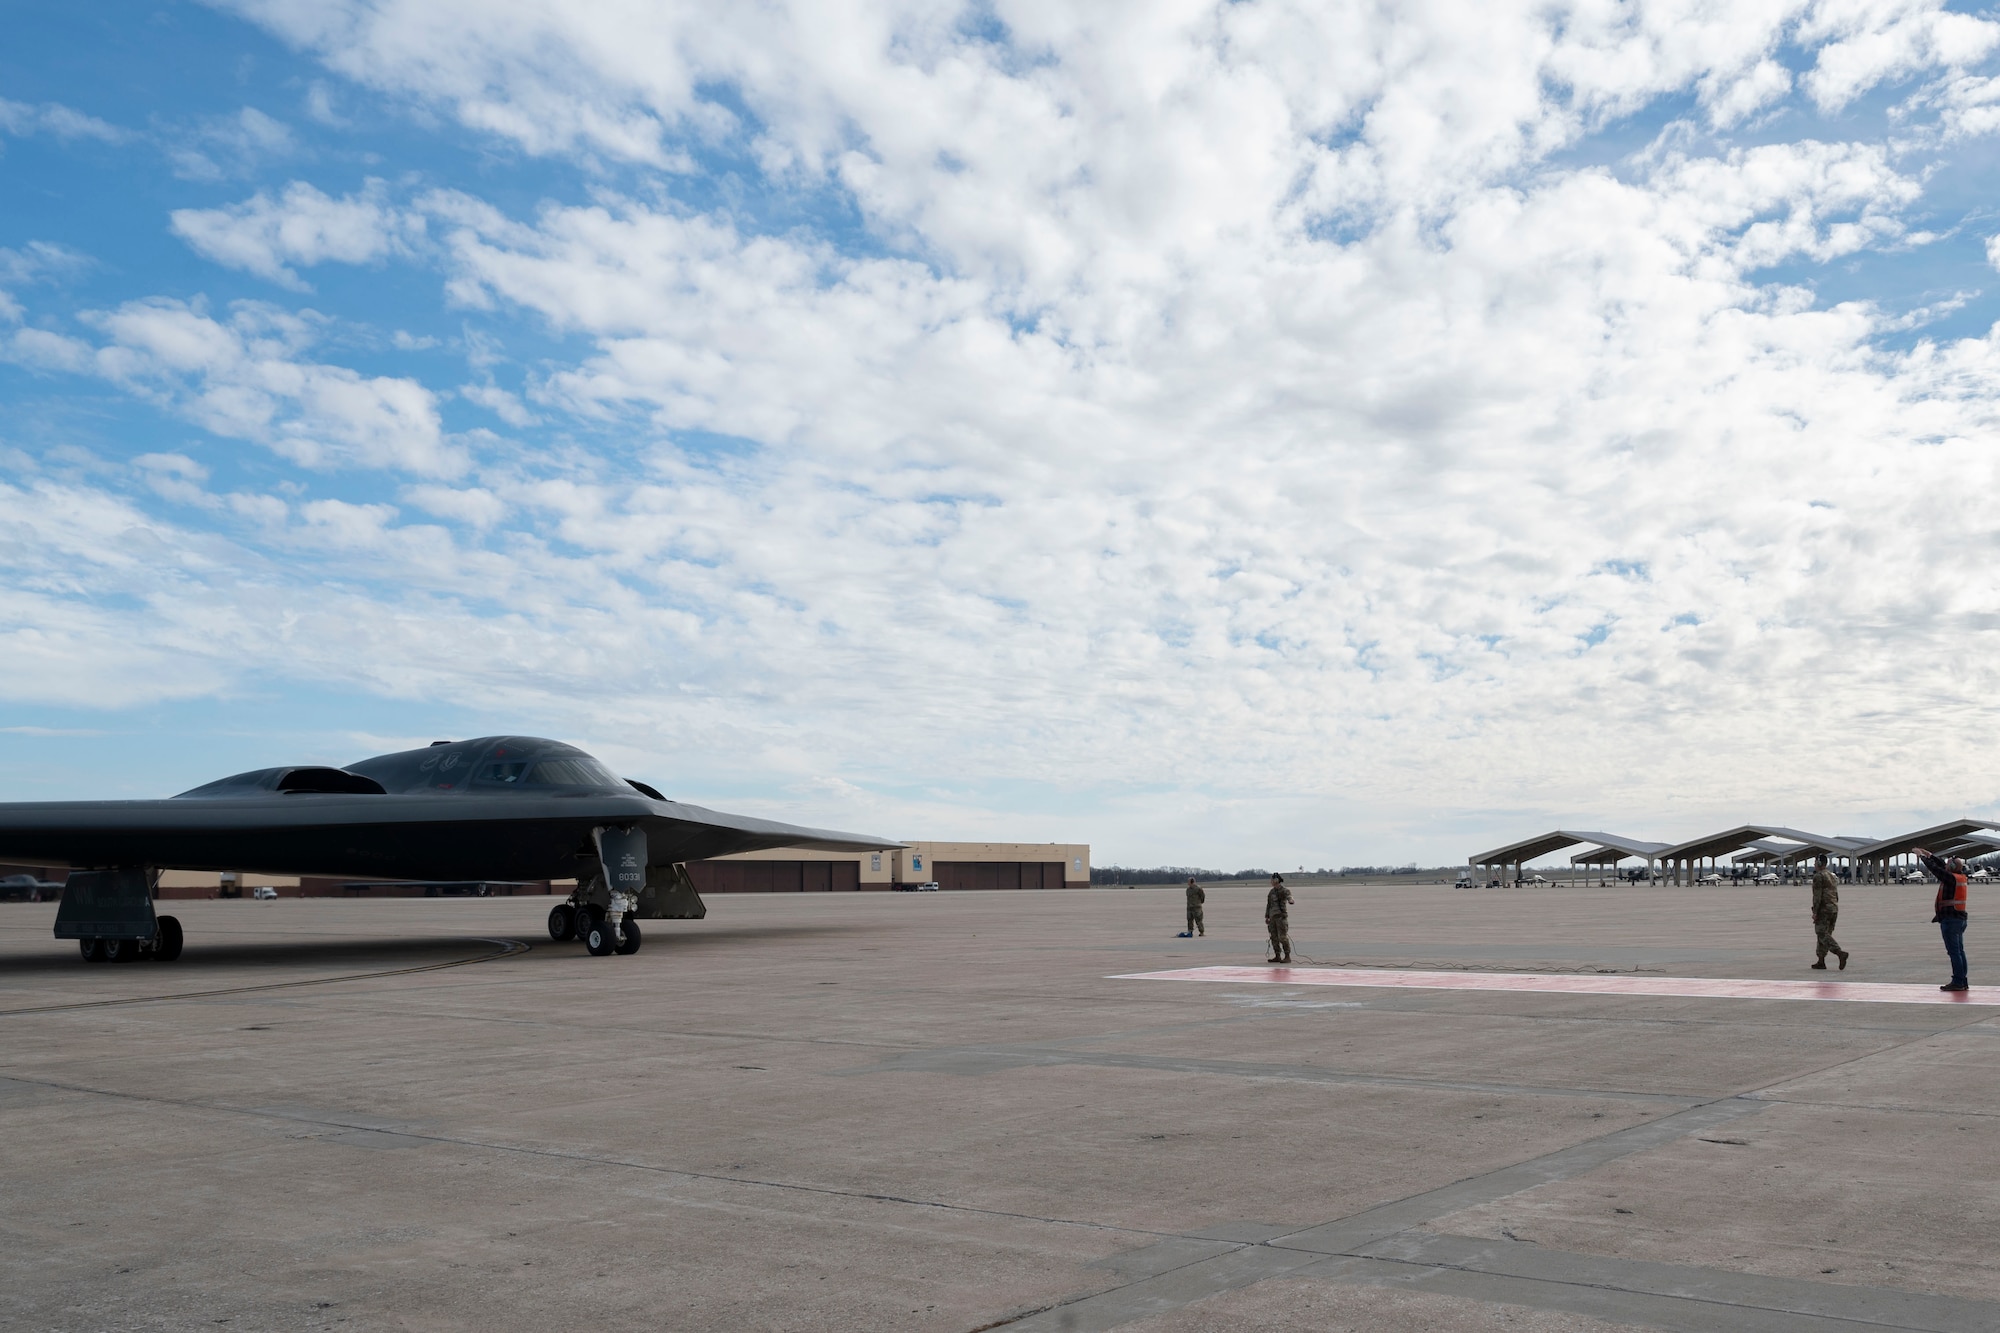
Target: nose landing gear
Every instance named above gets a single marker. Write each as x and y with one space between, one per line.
605 933
599 931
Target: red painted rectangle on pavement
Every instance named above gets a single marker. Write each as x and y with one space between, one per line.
1568 983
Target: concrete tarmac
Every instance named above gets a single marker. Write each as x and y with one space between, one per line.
940 1112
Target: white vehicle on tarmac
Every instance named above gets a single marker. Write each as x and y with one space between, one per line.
1768 877
263 891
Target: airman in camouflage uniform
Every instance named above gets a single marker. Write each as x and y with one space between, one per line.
1278 919
1195 898
1825 911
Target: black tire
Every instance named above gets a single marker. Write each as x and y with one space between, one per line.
120 951
92 950
630 944
168 946
597 937
562 921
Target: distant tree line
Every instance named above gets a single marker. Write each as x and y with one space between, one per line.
1165 874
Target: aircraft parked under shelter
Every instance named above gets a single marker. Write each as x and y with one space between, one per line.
1862 859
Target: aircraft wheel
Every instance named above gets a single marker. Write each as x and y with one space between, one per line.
597 937
120 951
562 921
92 950
630 944
169 944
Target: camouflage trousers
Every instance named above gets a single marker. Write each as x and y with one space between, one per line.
1195 925
1823 930
1281 938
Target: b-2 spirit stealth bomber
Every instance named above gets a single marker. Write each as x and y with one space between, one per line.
495 808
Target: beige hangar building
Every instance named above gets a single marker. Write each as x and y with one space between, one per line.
949 865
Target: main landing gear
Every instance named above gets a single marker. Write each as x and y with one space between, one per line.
601 932
164 947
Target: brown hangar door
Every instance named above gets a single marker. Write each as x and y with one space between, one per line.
998 874
775 876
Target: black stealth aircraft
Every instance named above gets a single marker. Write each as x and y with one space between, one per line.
496 808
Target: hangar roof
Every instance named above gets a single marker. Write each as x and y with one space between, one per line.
1764 849
1973 844
1599 856
1529 848
1744 835
1958 830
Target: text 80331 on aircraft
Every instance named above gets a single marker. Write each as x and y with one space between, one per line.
496 808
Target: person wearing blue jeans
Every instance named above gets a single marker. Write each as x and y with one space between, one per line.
1953 929
1950 911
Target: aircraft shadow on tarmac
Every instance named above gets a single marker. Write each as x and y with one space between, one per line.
233 956
402 951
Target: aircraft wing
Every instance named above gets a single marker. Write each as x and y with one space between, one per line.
520 835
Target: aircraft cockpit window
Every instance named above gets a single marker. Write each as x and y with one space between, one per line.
507 773
574 771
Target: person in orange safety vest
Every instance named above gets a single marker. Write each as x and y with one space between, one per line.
1950 911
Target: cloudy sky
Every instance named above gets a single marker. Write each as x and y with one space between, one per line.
1252 433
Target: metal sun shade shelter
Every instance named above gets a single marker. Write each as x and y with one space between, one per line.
1608 856
1867 859
1607 849
1765 851
1688 857
1975 844
1606 859
1959 837
1771 853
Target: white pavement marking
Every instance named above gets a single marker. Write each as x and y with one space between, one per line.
1717 988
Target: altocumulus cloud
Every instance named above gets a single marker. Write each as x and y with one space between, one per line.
265 235
1318 416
